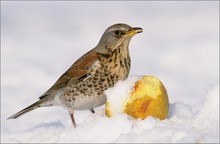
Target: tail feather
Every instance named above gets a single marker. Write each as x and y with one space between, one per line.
27 109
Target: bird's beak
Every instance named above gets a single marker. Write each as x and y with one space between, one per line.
134 30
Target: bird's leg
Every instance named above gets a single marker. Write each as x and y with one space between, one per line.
73 120
92 110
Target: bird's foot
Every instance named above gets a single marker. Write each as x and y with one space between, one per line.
92 111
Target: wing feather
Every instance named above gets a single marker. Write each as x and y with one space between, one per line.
77 71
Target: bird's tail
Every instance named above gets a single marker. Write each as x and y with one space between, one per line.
35 105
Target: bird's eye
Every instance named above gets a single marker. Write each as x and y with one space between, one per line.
118 32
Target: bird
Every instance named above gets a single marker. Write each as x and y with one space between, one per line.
82 86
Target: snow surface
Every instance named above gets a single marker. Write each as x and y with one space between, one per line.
179 45
182 125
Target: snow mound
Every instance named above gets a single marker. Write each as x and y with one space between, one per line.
208 116
182 125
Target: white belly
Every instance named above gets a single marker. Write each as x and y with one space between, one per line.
88 102
81 103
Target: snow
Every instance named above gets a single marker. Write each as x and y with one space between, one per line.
117 95
182 125
208 116
179 45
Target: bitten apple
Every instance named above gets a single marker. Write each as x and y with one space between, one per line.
148 97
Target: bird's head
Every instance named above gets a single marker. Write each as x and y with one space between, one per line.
115 36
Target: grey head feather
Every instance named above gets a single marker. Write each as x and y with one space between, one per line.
110 40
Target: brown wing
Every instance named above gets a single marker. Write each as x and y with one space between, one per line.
77 71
